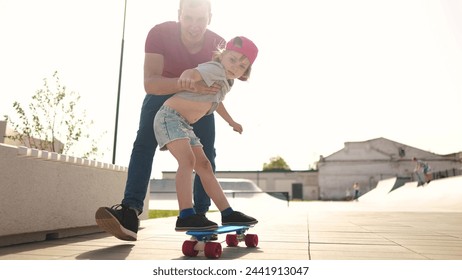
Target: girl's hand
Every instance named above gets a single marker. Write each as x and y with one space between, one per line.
236 127
191 80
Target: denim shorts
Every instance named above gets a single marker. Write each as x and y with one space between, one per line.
169 125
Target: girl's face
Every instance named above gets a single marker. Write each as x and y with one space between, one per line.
235 64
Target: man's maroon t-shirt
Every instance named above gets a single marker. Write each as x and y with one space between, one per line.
165 39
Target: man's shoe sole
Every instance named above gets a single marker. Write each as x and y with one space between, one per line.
107 222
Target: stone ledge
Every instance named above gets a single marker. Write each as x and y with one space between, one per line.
46 235
54 196
46 155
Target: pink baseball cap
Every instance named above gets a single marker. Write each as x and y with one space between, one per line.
248 48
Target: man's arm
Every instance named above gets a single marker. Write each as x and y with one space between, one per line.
221 110
155 83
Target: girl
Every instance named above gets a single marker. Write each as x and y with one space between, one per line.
173 131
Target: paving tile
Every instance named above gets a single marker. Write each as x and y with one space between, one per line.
302 231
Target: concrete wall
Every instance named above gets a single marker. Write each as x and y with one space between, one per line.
277 181
2 131
46 195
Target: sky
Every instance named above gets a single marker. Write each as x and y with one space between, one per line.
328 72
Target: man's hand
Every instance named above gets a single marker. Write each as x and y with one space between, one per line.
201 87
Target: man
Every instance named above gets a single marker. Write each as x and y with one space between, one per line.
171 48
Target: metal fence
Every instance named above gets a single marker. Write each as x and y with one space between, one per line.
446 173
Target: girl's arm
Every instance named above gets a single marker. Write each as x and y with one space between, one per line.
155 83
188 79
221 110
191 80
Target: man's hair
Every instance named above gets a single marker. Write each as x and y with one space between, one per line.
195 3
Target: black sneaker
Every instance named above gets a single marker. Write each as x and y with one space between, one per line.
119 220
195 222
213 237
237 218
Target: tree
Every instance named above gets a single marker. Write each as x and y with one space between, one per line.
276 164
53 122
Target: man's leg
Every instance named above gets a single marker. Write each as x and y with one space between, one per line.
205 130
122 220
144 148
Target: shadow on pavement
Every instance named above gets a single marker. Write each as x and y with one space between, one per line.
118 252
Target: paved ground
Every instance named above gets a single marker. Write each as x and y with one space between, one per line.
406 226
300 231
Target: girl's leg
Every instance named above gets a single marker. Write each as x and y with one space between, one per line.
204 129
188 219
214 190
209 181
182 152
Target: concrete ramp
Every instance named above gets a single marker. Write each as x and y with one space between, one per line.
239 201
381 191
241 193
439 195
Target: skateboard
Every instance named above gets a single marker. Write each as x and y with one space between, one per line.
213 250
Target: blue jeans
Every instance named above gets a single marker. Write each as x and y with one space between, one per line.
169 126
144 148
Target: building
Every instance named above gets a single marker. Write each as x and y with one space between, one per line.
370 161
365 163
302 185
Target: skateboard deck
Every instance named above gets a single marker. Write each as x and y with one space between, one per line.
203 240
